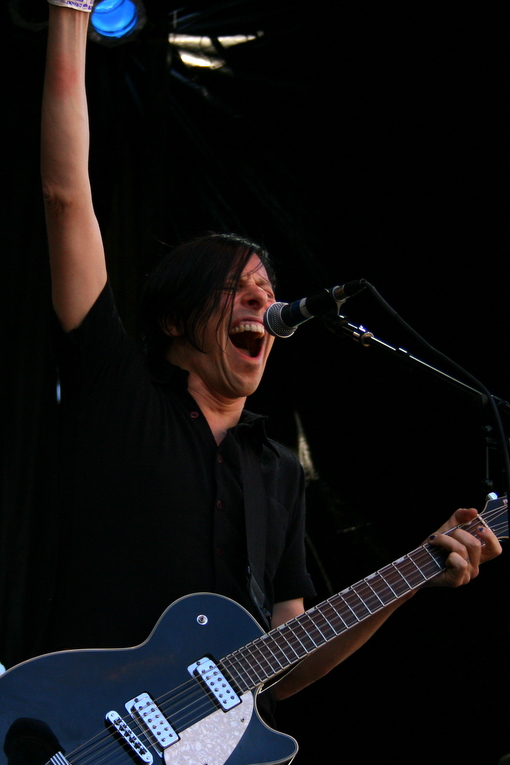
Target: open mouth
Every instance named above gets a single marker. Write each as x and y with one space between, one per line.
248 338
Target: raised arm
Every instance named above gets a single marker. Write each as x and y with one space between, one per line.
78 269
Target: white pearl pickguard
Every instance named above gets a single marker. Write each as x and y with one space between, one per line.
212 740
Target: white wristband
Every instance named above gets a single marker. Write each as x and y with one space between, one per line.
78 5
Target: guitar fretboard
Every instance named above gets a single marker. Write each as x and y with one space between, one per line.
270 654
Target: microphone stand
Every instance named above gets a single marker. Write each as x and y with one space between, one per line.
340 325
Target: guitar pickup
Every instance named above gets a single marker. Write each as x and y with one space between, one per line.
152 720
215 681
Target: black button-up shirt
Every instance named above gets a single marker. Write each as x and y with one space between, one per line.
153 508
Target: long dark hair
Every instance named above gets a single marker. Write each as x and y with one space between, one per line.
186 287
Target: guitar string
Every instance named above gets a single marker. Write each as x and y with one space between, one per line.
197 706
372 592
105 740
423 552
167 706
426 561
194 710
419 551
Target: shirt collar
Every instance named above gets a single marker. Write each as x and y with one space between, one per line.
249 422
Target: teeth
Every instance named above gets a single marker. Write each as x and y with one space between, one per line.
257 328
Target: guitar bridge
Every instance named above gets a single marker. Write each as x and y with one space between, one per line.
215 681
129 737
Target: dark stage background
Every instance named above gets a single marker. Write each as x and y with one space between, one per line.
366 141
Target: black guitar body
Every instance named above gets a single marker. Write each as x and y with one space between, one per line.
58 702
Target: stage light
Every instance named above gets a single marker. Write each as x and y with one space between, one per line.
199 50
116 21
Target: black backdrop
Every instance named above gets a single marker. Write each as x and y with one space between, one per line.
361 142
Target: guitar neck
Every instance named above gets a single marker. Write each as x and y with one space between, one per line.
267 656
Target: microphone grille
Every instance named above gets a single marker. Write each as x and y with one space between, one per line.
273 321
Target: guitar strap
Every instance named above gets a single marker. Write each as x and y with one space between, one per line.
255 513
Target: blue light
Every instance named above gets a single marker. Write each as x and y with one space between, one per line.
114 18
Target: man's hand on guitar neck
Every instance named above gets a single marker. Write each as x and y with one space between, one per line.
465 554
466 551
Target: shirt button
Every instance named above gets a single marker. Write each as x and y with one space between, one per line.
194 415
220 458
219 551
219 504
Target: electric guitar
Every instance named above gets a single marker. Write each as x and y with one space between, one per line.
187 696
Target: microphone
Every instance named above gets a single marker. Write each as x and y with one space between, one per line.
281 319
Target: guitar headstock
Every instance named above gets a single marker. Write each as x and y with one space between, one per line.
495 515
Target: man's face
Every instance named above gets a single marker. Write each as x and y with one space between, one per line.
236 349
